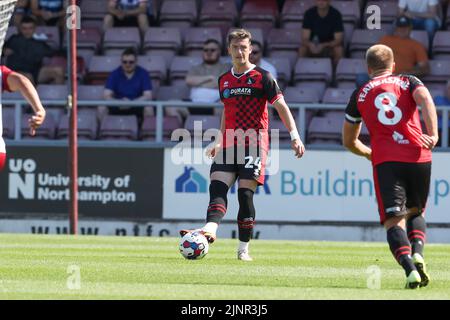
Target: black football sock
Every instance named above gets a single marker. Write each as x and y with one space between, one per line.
401 248
217 201
246 214
416 227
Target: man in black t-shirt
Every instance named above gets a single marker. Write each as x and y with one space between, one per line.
323 32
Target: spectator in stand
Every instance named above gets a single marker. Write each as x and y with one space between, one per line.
256 58
25 54
423 13
128 82
323 32
126 13
21 10
410 56
50 12
203 78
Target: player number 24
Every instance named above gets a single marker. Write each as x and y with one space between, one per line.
391 107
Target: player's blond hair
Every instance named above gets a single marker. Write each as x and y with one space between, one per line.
239 34
379 57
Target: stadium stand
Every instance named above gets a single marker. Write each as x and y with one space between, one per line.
148 128
114 127
87 126
174 40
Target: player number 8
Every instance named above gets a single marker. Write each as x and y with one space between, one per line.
385 108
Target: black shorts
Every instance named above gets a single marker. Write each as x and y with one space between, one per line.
248 163
130 21
400 186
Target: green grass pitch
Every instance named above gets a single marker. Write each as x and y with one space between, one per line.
38 267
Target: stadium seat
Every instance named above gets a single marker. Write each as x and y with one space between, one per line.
46 131
178 13
313 69
115 127
347 70
174 93
87 92
207 122
220 14
156 67
50 35
117 39
363 39
349 10
337 96
284 43
100 68
61 61
325 130
8 123
316 86
195 37
148 129
180 67
284 70
441 45
422 37
299 95
283 133
257 34
93 12
87 39
260 14
87 126
10 96
52 91
162 41
439 72
293 11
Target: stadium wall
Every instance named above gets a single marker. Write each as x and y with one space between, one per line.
327 195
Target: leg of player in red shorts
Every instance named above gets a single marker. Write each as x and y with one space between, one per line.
2 161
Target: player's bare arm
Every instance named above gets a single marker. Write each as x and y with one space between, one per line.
18 82
289 122
423 99
350 139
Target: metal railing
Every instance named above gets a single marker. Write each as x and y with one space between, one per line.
301 108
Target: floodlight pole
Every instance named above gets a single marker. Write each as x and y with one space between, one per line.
72 24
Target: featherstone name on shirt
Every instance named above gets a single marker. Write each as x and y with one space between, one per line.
375 83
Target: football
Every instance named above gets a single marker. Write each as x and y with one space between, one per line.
194 246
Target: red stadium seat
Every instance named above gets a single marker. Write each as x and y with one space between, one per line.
162 41
117 39
363 39
195 37
293 11
347 70
87 126
148 129
284 43
114 127
180 67
441 45
313 69
259 13
284 70
178 13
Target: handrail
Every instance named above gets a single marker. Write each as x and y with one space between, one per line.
160 105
